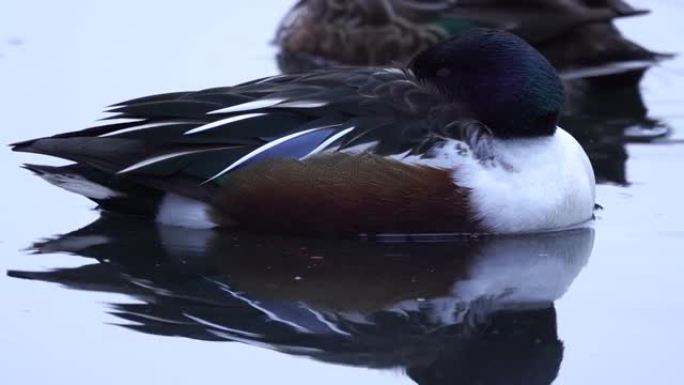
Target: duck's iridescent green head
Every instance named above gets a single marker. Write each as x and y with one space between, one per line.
499 78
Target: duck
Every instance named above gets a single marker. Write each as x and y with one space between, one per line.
577 36
462 140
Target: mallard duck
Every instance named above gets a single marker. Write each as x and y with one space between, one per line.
577 36
464 140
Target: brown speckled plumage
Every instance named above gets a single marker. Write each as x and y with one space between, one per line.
577 34
399 41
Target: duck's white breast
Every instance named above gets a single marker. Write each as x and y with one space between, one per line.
535 184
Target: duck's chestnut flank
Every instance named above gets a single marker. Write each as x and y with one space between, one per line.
500 79
348 150
345 194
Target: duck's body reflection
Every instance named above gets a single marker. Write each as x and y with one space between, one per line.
460 311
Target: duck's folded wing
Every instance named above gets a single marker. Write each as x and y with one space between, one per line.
204 135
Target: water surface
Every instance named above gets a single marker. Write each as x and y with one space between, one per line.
61 63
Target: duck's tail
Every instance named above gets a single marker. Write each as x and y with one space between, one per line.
108 191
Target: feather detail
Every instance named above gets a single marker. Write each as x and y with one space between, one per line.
142 127
328 142
296 145
248 106
224 122
303 104
157 159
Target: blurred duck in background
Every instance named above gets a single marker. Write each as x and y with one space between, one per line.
601 69
466 311
577 36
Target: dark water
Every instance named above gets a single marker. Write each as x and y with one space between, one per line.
591 306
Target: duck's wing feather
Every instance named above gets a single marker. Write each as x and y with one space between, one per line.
203 135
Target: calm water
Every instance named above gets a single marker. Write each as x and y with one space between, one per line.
159 306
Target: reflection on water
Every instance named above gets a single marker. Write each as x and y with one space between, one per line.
476 311
604 117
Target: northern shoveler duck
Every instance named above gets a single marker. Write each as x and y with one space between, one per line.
463 140
577 36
